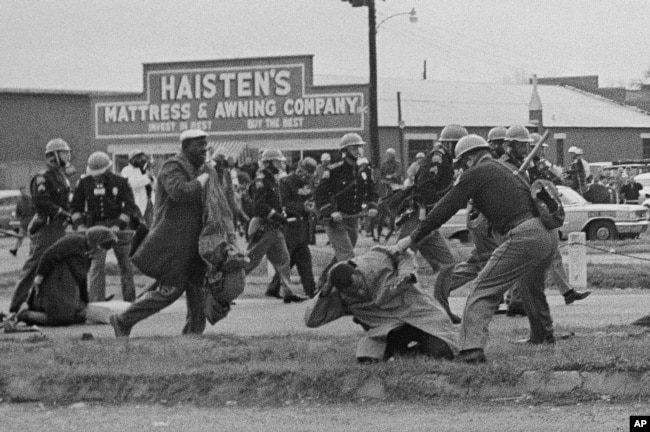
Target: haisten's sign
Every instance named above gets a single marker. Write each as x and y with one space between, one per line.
249 99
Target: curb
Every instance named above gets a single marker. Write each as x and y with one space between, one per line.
289 387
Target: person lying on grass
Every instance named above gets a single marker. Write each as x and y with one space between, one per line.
59 295
380 291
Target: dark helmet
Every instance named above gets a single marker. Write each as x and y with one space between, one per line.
450 135
468 143
452 132
497 133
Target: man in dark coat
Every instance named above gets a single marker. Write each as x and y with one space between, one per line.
105 198
50 190
59 295
170 251
297 196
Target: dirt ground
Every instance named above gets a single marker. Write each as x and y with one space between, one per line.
465 416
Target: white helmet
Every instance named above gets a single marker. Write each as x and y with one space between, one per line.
574 150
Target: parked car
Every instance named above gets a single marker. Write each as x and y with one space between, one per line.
8 220
601 221
598 221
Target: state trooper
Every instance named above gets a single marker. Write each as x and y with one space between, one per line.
269 220
343 191
524 255
103 198
433 180
297 196
519 143
50 190
487 240
497 138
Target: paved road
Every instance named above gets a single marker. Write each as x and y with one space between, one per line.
260 316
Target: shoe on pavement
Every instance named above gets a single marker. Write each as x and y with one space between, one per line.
120 330
548 340
574 295
514 311
275 294
471 356
643 321
294 298
13 251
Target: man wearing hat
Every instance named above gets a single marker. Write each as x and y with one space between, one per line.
103 198
413 169
50 190
325 160
297 198
577 172
341 195
170 252
390 172
268 223
141 183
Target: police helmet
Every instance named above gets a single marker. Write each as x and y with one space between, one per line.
308 165
57 144
497 133
469 143
272 154
518 133
452 132
351 139
98 163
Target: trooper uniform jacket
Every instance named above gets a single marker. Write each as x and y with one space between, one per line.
494 191
265 193
429 185
345 188
104 200
50 190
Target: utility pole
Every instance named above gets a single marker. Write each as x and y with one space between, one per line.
375 154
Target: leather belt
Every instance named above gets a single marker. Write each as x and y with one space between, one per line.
517 220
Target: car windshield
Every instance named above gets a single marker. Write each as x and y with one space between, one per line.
570 197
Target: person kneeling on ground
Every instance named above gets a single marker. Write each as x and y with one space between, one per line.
59 295
380 291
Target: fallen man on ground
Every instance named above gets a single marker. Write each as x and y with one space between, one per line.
59 295
380 290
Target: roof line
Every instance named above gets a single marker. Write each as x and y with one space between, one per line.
605 99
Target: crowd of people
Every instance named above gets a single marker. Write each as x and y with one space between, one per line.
191 211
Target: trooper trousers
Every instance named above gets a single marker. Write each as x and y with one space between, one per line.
274 246
97 272
524 257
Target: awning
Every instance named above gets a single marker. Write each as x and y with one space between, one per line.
236 149
232 149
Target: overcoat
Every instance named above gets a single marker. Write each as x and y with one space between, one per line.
170 252
387 300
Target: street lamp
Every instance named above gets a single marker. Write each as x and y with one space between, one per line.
413 18
375 155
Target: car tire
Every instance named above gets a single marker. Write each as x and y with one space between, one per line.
602 230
